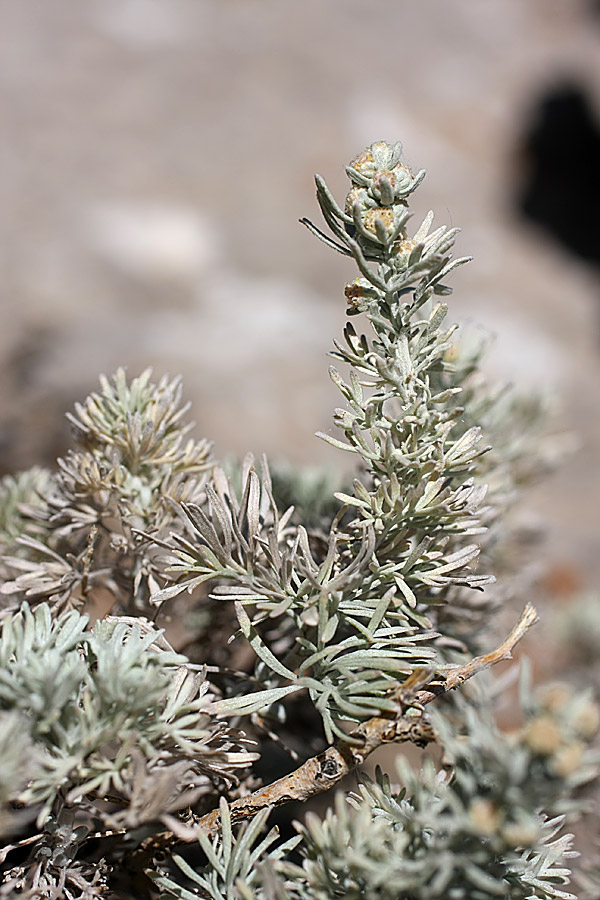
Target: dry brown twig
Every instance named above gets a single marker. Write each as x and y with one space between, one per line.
322 772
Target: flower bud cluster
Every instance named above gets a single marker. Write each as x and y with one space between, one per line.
379 171
377 200
561 730
371 228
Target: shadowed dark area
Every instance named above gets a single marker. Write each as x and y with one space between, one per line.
561 190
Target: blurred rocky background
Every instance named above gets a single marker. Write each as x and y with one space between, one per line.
155 156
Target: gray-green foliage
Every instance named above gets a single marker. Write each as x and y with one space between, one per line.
16 492
479 831
487 825
87 707
351 611
232 868
309 606
132 461
458 838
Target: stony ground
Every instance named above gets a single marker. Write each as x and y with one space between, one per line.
155 158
